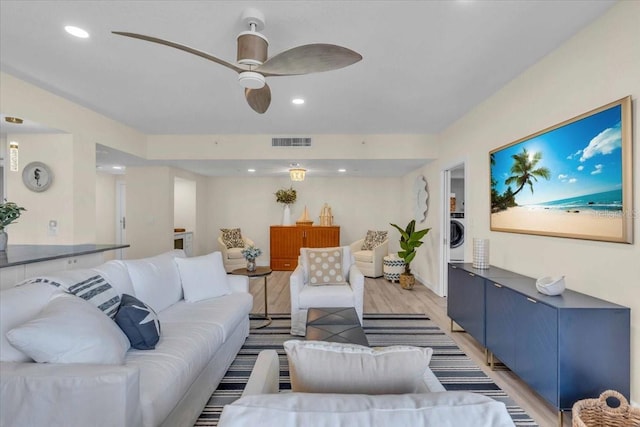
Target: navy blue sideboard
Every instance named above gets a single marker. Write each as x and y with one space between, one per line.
566 347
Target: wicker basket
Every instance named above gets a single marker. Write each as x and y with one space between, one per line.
596 412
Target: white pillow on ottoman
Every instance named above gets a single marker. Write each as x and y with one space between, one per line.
203 277
71 330
328 367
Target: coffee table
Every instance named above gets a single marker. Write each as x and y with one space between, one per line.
258 272
335 324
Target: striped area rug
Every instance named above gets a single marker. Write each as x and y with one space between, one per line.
450 365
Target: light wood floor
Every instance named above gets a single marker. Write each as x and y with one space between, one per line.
381 296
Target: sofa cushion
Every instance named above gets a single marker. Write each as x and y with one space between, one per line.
70 330
203 277
139 323
373 239
447 409
232 238
328 367
156 280
167 372
363 256
326 296
115 271
225 312
17 306
235 253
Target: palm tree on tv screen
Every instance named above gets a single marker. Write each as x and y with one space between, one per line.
524 172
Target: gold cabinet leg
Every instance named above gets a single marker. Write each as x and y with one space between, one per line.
451 327
560 417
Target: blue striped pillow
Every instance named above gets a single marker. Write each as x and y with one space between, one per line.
98 292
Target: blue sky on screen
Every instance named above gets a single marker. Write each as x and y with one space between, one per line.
584 157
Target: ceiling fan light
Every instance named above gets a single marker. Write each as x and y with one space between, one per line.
297 174
251 80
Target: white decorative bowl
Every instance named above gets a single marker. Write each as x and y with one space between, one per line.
550 285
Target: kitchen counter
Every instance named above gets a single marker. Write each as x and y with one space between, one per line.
27 254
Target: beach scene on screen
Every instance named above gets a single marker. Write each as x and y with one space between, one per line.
566 181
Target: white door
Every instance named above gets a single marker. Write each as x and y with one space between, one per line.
445 223
121 219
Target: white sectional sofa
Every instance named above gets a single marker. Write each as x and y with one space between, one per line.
166 386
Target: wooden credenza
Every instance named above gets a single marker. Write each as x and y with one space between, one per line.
286 241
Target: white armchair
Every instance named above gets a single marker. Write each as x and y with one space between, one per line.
370 262
232 258
305 296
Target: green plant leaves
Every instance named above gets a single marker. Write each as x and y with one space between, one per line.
410 239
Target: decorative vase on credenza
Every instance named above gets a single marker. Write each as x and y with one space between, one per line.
4 237
286 215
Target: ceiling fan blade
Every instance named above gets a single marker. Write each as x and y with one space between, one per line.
181 47
309 58
258 99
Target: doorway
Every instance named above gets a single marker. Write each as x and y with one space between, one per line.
453 221
121 217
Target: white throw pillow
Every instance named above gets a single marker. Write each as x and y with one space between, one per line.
327 367
156 280
71 330
203 277
18 305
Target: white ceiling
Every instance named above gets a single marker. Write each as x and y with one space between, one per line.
426 63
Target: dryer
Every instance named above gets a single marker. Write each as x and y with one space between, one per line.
456 237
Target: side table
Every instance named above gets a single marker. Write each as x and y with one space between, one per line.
392 267
259 272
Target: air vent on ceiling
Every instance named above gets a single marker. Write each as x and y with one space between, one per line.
291 142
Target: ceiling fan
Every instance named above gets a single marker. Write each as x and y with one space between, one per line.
253 66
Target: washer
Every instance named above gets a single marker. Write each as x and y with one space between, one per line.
456 238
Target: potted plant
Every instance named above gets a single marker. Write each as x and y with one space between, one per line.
9 213
250 253
410 239
286 196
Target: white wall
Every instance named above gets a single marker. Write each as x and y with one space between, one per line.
598 65
56 203
358 204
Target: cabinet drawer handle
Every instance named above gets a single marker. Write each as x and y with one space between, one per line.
497 285
472 275
287 265
532 300
454 267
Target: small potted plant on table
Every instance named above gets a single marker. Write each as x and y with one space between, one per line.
410 239
250 253
9 213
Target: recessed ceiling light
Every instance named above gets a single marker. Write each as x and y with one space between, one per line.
77 32
342 170
251 170
117 167
297 101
